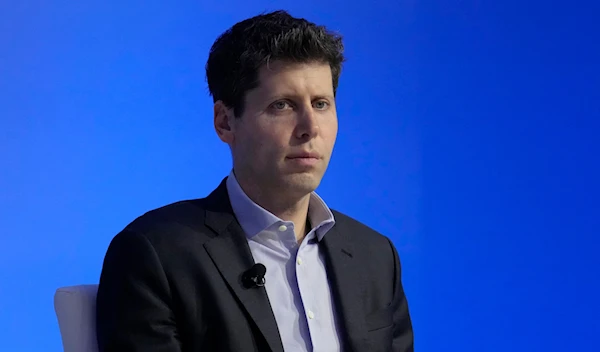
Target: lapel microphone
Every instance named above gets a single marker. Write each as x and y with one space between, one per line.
255 276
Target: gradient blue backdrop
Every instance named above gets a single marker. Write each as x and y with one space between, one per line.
468 134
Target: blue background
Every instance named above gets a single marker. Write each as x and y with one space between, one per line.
468 134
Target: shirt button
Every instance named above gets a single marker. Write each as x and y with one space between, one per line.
299 261
311 315
282 228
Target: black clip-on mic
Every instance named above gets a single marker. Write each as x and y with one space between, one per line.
255 276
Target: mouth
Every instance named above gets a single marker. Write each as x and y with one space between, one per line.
307 159
304 156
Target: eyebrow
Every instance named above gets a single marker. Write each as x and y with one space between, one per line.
288 96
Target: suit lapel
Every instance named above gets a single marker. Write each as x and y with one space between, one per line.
232 256
347 286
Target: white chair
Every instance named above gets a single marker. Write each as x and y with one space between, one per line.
75 308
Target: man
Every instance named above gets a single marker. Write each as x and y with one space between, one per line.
191 276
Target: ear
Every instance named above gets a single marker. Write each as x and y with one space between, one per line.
224 122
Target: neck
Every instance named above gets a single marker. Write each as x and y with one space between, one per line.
287 208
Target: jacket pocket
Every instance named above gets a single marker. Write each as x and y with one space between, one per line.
380 319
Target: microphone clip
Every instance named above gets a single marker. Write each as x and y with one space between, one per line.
255 276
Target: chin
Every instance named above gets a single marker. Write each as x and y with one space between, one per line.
302 183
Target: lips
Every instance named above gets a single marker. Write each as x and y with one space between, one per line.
304 155
304 161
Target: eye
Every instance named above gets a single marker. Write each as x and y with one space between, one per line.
321 104
280 105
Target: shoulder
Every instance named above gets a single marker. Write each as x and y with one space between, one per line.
183 213
358 231
377 255
369 246
171 226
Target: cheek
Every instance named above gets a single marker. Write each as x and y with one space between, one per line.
259 148
330 133
264 143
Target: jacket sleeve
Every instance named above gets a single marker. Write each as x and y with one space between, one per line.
133 306
403 340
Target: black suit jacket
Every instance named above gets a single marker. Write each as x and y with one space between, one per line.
171 281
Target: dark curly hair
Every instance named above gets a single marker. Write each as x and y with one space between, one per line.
237 55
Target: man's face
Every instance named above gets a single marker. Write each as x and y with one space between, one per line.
285 137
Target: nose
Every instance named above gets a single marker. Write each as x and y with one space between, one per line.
308 125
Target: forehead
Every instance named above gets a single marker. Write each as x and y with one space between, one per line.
290 77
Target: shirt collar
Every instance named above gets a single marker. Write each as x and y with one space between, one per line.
254 219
